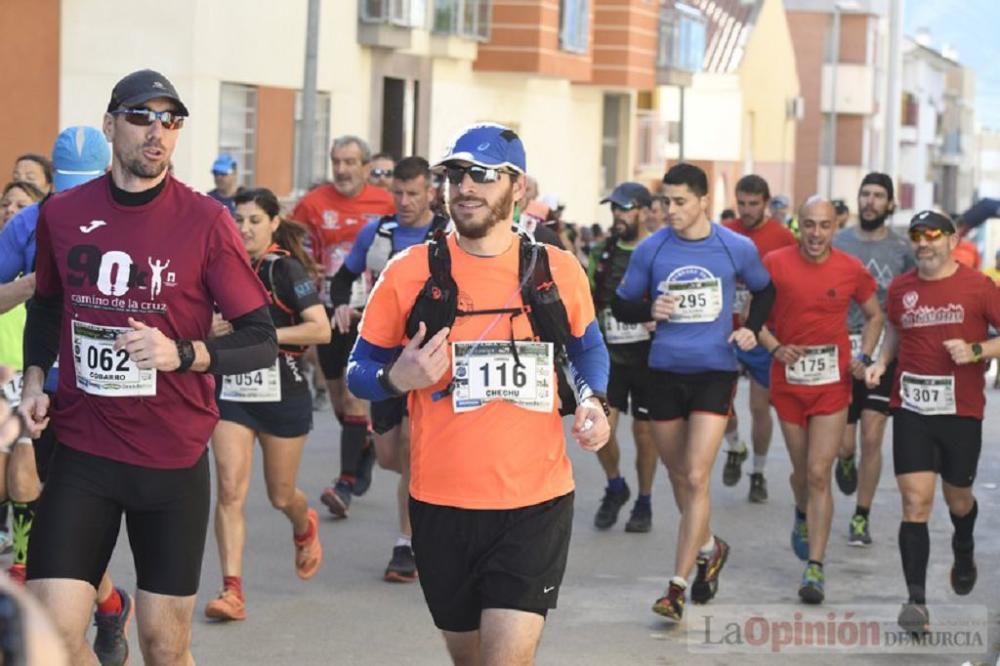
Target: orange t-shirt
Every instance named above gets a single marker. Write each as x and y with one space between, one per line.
499 456
334 220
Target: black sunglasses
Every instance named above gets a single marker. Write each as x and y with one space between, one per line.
380 173
478 174
144 117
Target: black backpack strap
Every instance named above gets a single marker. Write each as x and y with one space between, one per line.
436 304
438 223
540 294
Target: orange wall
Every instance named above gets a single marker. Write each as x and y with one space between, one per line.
275 139
625 36
29 79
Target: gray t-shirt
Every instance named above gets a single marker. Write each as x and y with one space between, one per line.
885 259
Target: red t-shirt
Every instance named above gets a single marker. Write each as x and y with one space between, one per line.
811 304
334 220
166 263
767 237
925 313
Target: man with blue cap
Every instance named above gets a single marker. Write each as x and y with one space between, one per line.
462 326
227 184
79 155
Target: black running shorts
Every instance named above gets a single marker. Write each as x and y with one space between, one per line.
292 417
677 396
629 384
470 560
80 513
876 399
333 355
387 414
948 445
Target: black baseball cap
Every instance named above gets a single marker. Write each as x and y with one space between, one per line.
878 178
142 86
630 195
840 206
931 220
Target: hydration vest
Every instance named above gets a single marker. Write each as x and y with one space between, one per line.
282 314
437 303
603 269
382 248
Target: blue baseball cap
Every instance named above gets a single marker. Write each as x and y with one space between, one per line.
79 154
224 163
488 145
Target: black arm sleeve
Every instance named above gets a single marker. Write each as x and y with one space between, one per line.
760 307
252 345
41 332
340 286
631 312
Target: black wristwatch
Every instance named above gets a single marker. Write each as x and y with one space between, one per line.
382 376
604 403
865 359
185 352
977 352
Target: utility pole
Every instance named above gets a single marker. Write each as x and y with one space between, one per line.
831 136
308 129
894 94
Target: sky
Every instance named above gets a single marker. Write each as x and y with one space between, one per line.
969 27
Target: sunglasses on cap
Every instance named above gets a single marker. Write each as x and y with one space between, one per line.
624 207
926 234
380 173
144 117
478 174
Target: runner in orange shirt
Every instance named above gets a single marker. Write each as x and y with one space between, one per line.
491 488
335 213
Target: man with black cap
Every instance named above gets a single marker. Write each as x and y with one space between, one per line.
628 347
937 337
130 267
491 486
886 255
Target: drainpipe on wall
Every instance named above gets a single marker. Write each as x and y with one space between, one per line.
308 129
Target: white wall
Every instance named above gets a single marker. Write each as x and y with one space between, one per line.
713 117
198 44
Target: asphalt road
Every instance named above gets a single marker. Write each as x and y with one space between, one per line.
347 615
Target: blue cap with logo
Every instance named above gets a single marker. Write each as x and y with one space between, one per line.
224 164
488 145
79 154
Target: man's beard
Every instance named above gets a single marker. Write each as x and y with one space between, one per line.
627 232
499 212
872 225
140 168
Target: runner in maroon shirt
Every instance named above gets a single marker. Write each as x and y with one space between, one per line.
938 330
129 268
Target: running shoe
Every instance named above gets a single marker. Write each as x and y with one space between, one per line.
337 498
914 619
18 573
800 538
671 604
607 514
6 542
706 583
963 571
309 555
229 605
641 519
847 475
111 641
813 580
758 488
858 534
402 567
363 480
734 466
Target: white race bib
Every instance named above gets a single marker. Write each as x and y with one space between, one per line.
927 394
262 385
817 366
740 299
12 390
487 370
102 370
699 300
856 345
618 333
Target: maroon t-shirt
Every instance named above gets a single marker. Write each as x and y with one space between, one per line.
165 263
925 313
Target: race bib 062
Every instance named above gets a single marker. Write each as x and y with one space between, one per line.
101 369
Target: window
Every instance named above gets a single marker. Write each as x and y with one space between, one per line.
463 18
682 38
238 127
574 25
614 129
407 13
910 109
321 142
